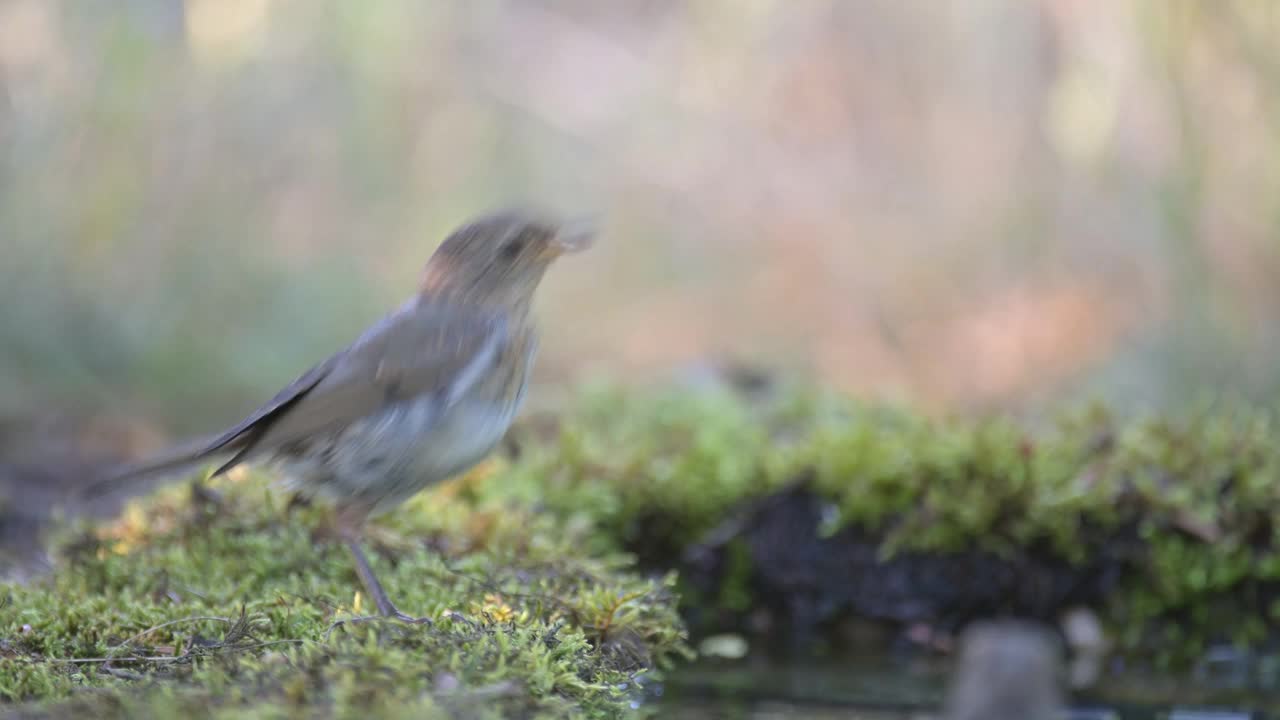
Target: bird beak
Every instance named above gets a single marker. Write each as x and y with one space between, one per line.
573 237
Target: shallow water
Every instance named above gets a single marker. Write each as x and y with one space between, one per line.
880 688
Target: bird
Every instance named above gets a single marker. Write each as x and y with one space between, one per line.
421 396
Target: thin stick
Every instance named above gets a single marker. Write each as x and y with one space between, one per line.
202 618
173 658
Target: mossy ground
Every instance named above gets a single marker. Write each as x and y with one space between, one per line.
227 605
1186 504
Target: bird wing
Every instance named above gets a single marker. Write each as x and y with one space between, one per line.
426 349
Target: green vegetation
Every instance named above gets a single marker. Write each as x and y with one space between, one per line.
231 605
1193 500
229 602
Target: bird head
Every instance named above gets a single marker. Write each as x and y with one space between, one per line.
499 259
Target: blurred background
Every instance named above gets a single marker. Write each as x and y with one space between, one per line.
969 206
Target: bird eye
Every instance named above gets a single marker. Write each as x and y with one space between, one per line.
510 250
513 247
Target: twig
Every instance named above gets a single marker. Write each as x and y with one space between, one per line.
172 658
123 674
161 626
127 658
111 654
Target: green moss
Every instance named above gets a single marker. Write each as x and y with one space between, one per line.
1201 492
231 607
537 606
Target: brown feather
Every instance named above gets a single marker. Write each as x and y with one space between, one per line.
425 348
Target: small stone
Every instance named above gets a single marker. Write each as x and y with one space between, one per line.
1083 630
729 646
447 683
1006 671
1089 646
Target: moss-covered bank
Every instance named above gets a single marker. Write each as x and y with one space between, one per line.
794 504
229 606
819 508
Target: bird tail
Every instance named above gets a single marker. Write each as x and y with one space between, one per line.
136 478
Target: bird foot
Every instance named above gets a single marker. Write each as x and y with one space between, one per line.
205 497
397 616
409 619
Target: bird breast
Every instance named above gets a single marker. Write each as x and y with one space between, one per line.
462 437
383 459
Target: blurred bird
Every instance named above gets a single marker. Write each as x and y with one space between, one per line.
421 396
1006 671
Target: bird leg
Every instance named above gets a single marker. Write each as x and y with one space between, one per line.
350 533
